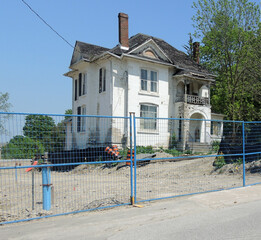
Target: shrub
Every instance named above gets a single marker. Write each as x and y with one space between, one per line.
143 149
215 146
220 161
20 147
173 152
173 141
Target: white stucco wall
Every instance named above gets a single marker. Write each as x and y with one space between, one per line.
95 103
123 95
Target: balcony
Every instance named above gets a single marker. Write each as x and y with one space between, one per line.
192 99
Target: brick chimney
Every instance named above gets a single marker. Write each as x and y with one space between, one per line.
123 31
196 52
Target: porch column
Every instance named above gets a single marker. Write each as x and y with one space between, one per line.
186 89
209 93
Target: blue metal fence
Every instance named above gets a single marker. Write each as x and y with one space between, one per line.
59 164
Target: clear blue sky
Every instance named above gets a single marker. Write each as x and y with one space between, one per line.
33 59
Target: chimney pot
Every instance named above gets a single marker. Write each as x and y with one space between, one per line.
196 52
123 31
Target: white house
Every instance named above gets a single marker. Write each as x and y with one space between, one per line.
144 75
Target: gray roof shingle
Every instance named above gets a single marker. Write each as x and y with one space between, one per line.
177 58
89 51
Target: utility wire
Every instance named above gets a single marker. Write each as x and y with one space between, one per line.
53 29
47 24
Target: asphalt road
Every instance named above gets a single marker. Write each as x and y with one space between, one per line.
232 214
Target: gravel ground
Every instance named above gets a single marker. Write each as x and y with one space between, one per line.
98 185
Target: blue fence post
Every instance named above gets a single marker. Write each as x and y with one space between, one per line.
46 184
244 155
131 163
135 164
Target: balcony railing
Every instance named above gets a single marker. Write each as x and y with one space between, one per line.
192 99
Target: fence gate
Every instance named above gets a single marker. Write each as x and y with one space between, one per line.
74 171
176 157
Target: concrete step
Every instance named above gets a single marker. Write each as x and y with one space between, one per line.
198 147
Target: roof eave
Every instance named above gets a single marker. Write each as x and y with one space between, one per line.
74 66
146 59
70 73
194 78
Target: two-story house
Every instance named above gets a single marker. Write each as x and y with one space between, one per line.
145 75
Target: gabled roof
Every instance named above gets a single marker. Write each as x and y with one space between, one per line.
174 57
88 51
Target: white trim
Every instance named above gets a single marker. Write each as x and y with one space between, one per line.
146 59
124 48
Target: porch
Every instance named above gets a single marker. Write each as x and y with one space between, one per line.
192 99
193 92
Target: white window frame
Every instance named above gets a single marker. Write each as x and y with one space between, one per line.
149 122
148 82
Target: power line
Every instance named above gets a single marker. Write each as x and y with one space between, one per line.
47 24
59 35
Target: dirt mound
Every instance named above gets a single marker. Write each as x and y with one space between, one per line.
235 168
163 155
254 167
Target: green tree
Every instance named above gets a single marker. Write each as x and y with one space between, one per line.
20 147
58 136
230 34
68 112
40 128
189 47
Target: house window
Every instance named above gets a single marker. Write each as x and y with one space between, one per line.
81 121
149 81
80 84
75 89
148 111
215 128
102 80
78 119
